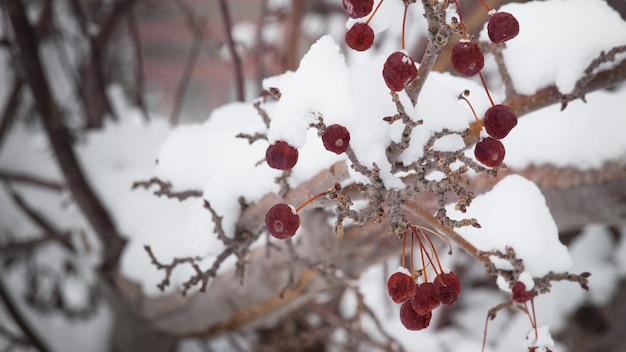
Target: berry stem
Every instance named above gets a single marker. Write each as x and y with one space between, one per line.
432 246
423 262
311 200
430 259
482 79
406 8
374 12
403 260
485 333
463 96
485 5
532 305
458 11
412 246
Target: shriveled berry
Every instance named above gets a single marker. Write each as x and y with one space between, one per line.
358 8
282 221
425 298
447 287
413 321
360 37
336 138
401 287
489 152
520 295
467 58
502 26
499 121
399 70
281 155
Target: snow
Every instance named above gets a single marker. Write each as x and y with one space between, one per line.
584 135
558 39
540 338
348 89
514 214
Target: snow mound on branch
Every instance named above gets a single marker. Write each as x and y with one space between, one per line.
558 39
514 213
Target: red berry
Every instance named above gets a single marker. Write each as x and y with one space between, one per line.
281 156
425 298
447 287
411 320
467 58
502 26
499 121
489 151
520 295
360 37
358 8
399 70
401 287
336 138
282 221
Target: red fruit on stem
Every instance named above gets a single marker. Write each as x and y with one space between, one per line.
502 26
336 138
358 8
281 156
489 151
447 287
520 295
411 320
401 287
282 221
399 70
499 121
425 299
360 37
467 58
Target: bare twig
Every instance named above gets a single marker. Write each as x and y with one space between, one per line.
133 29
50 115
14 247
40 220
169 268
228 27
438 34
9 113
165 189
12 308
34 180
197 27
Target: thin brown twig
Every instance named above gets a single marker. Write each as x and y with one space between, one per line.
21 177
197 28
9 113
14 247
165 189
228 27
135 36
58 135
12 308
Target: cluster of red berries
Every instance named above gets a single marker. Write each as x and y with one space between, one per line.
419 299
282 220
468 60
399 69
499 120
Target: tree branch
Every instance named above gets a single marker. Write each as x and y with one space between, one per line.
525 104
58 135
12 308
228 27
